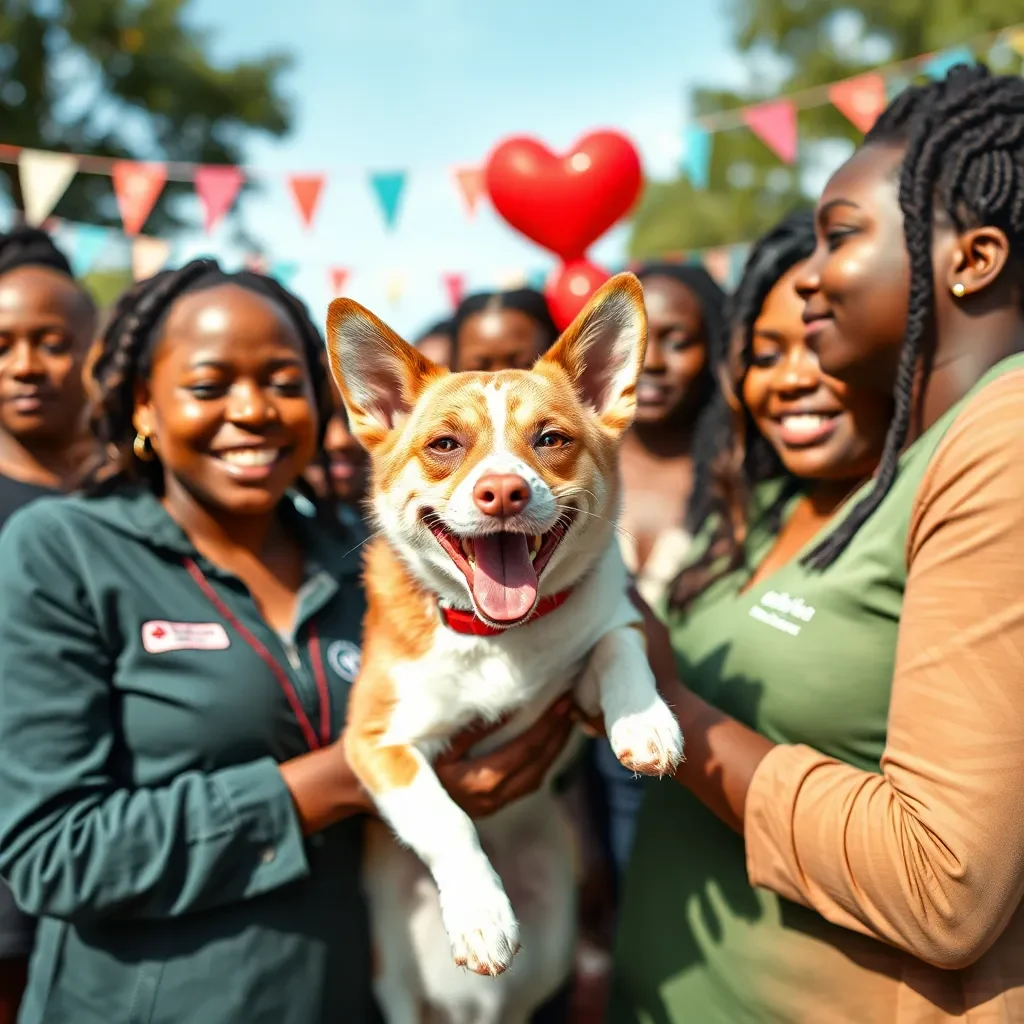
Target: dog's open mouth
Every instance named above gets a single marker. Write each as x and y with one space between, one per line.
502 569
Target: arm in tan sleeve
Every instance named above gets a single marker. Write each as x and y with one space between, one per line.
929 855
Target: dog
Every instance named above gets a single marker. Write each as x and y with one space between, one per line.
494 585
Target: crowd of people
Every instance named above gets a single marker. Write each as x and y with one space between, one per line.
822 508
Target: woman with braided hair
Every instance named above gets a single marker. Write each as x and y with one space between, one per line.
855 847
46 326
176 649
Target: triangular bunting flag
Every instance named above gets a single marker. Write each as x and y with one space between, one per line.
217 186
137 188
306 190
537 278
284 272
894 86
860 100
717 263
149 256
44 179
454 285
1015 40
87 242
775 125
395 286
388 187
696 159
339 276
509 279
937 66
256 262
737 263
470 183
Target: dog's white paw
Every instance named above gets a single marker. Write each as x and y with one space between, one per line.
648 741
481 925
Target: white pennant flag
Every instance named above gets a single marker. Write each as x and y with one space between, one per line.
149 256
44 179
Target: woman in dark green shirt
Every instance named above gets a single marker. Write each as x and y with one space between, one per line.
846 841
176 649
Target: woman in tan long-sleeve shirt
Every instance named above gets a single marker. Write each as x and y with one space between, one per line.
861 722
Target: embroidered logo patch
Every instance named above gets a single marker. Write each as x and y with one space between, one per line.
158 637
344 658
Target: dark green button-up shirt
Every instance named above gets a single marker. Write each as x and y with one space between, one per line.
142 813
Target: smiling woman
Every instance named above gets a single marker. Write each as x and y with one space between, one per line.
176 651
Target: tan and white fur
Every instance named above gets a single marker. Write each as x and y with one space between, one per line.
462 465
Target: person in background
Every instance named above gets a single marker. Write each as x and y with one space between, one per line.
662 467
340 471
845 842
46 326
436 343
176 650
501 330
685 350
47 321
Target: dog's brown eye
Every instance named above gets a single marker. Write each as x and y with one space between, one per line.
552 439
444 445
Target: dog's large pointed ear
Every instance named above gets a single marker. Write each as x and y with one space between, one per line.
602 351
380 377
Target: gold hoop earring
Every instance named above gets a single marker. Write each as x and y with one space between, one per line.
142 448
959 289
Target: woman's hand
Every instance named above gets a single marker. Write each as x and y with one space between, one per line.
324 788
482 785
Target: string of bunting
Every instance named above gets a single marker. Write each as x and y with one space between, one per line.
87 243
45 175
860 99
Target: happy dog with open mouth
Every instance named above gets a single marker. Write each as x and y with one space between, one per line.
495 586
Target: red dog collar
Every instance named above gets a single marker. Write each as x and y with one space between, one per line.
467 622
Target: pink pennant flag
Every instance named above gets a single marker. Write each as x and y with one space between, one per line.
137 187
455 285
217 186
339 277
306 190
860 100
470 183
717 263
256 262
775 125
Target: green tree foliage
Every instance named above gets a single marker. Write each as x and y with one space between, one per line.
813 43
129 79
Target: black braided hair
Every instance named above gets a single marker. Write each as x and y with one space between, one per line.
963 140
735 456
124 357
522 300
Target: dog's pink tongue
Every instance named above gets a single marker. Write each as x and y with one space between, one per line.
504 580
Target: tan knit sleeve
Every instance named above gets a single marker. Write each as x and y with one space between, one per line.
929 855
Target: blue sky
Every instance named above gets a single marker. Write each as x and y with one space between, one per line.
422 85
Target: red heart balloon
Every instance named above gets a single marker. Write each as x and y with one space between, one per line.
570 287
564 203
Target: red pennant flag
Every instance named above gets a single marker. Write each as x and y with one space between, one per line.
775 125
306 189
455 285
217 186
470 183
860 100
339 275
137 188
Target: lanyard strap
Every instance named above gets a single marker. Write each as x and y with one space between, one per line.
271 662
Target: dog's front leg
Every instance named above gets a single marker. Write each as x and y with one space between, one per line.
477 913
618 681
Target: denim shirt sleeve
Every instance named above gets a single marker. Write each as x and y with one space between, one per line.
75 844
